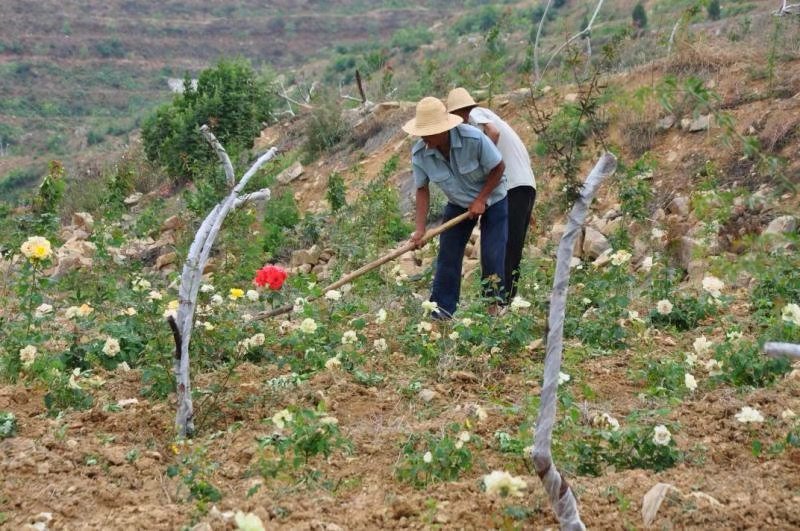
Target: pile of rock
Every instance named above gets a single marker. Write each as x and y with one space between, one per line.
77 252
316 260
157 253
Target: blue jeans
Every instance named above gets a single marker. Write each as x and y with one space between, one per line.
452 243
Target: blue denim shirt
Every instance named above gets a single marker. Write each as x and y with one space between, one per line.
472 157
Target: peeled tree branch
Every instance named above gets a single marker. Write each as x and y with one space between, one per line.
192 274
782 350
558 490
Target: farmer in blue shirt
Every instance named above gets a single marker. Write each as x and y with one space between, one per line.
467 166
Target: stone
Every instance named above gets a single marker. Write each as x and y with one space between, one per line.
382 109
604 258
470 265
665 123
171 223
688 248
594 243
652 501
133 198
463 376
43 517
611 226
166 259
471 251
202 526
83 220
782 225
572 97
701 123
291 173
427 395
685 123
679 206
74 254
114 455
305 268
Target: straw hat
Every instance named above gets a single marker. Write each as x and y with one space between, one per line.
431 118
458 99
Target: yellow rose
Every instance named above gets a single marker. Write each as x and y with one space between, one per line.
235 293
36 248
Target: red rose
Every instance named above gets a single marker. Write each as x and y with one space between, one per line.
270 275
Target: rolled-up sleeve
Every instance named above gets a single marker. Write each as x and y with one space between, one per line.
489 155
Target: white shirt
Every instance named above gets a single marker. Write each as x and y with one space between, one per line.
518 162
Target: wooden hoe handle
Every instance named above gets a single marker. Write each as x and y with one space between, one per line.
372 265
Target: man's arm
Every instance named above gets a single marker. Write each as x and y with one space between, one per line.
478 206
421 214
492 132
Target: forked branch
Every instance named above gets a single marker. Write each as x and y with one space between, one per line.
192 275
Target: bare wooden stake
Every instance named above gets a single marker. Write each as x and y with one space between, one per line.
788 9
558 490
192 275
782 350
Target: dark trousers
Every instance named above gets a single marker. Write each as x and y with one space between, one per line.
520 206
452 243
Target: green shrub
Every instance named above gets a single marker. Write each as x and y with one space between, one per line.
639 16
743 364
478 21
713 9
634 188
409 39
51 191
230 98
8 424
336 193
324 129
430 458
623 449
280 217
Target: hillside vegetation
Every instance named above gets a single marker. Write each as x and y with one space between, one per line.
356 410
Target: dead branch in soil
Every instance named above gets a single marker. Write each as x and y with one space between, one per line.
558 490
192 274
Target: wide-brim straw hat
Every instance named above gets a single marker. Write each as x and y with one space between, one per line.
459 98
431 118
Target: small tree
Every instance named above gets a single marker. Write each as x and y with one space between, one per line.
639 16
231 98
51 191
713 10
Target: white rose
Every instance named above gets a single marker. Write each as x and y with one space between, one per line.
749 415
664 307
308 326
333 295
501 483
111 347
661 435
380 345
